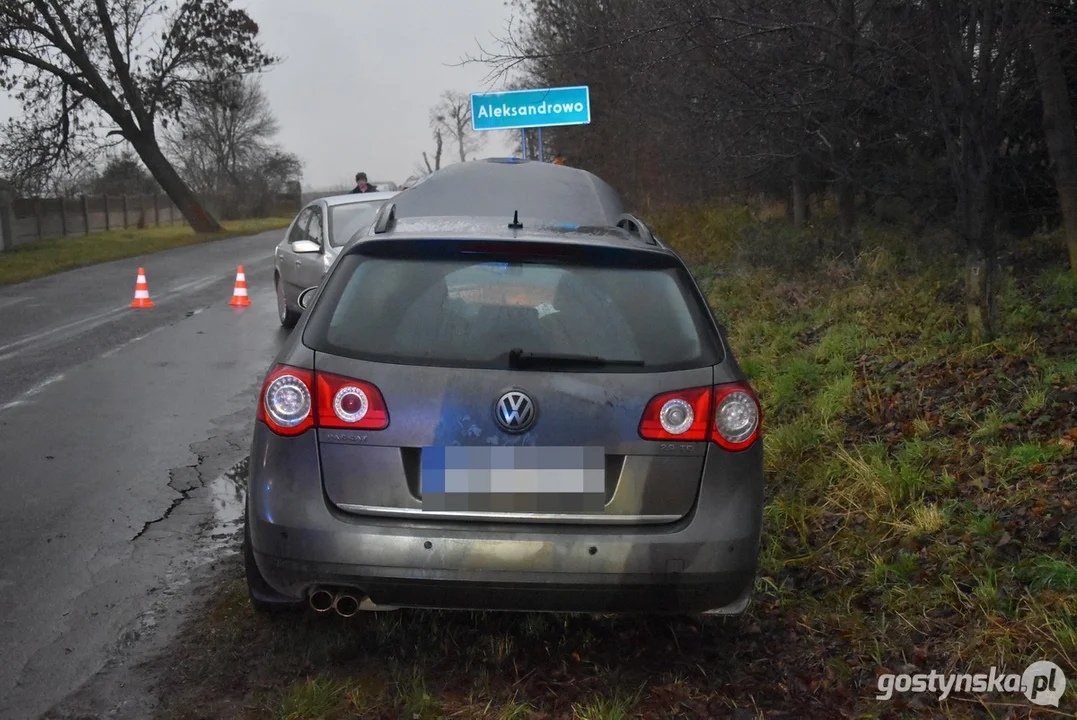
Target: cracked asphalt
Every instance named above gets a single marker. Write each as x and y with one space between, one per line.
123 441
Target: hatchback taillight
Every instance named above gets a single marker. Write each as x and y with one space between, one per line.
737 416
294 400
348 403
728 415
681 415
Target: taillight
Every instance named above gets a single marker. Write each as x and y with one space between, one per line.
682 415
286 405
295 400
737 416
348 403
726 414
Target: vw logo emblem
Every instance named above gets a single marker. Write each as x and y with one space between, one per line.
515 412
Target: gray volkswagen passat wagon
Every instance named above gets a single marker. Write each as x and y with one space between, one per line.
506 413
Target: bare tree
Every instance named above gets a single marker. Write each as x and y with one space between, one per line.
452 116
924 102
1058 124
88 68
968 54
223 143
439 146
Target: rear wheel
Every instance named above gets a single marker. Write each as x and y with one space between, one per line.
288 317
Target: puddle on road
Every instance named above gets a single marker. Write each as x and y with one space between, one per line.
227 495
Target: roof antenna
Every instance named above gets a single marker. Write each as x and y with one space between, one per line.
516 224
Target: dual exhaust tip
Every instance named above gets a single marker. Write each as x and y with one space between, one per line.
323 601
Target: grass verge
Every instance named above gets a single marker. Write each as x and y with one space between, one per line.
921 515
55 255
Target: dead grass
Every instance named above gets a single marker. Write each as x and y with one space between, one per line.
59 254
921 513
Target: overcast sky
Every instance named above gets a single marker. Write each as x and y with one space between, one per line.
358 78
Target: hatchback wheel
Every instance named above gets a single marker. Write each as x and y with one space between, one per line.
288 317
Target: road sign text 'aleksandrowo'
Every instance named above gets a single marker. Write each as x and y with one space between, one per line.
524 109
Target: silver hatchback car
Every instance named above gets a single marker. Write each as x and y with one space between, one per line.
535 412
314 240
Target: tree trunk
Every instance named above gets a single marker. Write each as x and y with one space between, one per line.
1058 127
846 185
847 214
981 262
186 201
800 194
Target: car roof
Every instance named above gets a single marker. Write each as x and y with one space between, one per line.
499 187
350 198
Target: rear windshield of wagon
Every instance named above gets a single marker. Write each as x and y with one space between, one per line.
470 313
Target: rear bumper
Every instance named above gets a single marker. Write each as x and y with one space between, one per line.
705 562
726 593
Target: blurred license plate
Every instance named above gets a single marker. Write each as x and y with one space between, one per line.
514 479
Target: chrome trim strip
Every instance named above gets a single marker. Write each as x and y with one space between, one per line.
575 519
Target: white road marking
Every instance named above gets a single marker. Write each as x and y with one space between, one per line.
132 341
193 285
82 325
92 321
21 400
12 301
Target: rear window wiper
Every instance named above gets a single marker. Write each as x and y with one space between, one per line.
518 360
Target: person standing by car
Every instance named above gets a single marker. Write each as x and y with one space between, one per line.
361 185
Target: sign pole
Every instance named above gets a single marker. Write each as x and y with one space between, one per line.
542 154
523 143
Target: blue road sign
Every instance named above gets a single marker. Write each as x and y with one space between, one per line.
517 109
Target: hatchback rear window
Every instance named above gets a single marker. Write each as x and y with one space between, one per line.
469 313
346 220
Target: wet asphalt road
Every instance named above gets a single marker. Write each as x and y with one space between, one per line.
115 425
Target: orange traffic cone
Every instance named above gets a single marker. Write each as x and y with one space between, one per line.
239 295
142 291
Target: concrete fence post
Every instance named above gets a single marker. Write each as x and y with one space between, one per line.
108 215
125 221
85 215
7 220
38 219
157 209
63 216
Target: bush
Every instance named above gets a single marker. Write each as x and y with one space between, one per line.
758 235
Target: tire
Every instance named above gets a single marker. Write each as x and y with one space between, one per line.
288 317
264 599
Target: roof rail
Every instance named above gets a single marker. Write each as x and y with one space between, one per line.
386 217
634 225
